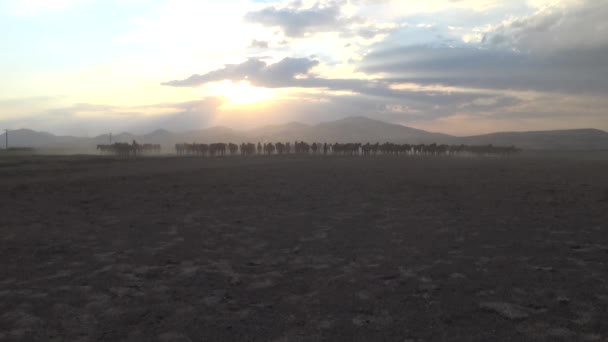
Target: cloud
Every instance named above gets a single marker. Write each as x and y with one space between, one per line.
573 70
559 47
259 44
421 103
439 110
563 26
372 32
256 71
402 61
87 119
516 68
298 21
297 73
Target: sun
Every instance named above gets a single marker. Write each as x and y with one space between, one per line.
238 94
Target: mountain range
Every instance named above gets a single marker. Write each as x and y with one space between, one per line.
350 129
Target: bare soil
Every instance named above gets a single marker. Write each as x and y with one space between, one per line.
304 249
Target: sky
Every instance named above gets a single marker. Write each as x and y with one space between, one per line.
463 67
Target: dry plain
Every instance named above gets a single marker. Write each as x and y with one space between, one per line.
303 248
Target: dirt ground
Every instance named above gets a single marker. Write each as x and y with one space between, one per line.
304 249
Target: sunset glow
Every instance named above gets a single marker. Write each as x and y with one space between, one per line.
237 94
74 66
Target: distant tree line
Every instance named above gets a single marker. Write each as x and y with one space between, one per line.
126 149
346 149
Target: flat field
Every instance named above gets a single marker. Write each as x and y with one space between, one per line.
302 248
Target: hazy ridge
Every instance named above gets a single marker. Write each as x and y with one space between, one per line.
351 129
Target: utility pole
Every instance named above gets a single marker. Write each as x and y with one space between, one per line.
110 138
6 137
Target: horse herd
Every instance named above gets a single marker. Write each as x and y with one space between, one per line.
300 147
348 149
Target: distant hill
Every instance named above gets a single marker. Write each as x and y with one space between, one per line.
347 130
572 139
291 131
34 139
365 129
351 129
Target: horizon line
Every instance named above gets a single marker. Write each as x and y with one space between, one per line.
300 123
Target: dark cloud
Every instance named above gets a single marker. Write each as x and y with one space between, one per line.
280 74
283 75
570 71
559 48
298 22
542 52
